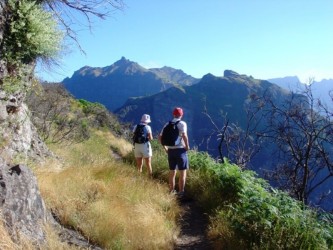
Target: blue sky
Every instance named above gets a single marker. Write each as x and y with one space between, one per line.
262 38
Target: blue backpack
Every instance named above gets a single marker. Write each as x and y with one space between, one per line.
170 134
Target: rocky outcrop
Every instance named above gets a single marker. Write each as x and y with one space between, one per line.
24 212
22 206
19 138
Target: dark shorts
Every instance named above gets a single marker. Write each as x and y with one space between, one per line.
178 159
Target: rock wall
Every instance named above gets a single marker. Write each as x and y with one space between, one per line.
18 136
21 204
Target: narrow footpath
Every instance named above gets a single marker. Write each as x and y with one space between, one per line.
194 225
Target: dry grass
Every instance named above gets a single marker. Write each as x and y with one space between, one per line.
6 242
118 145
106 200
52 240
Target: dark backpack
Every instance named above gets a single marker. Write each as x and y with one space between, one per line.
139 134
170 134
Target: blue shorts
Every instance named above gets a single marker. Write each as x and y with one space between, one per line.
177 158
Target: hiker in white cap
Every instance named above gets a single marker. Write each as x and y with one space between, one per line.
141 140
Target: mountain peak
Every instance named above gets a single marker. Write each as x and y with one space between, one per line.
123 61
124 66
230 73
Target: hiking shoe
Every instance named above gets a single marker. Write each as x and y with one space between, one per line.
180 195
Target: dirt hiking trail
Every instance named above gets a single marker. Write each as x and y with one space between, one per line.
193 225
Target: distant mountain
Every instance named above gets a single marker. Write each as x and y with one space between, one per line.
229 94
113 85
291 83
321 90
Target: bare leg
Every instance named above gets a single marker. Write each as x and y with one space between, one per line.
172 178
149 168
139 162
182 180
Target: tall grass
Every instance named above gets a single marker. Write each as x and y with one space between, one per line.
106 200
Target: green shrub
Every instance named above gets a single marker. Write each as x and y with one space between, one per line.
90 107
33 33
246 213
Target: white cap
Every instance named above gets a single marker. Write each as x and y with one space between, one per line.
145 118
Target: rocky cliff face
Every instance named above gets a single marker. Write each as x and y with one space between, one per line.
19 138
22 208
21 205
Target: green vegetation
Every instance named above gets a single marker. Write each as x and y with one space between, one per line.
115 207
89 107
247 215
245 212
33 33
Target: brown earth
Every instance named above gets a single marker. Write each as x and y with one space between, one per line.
194 224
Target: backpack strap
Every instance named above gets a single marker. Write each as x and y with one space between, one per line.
175 123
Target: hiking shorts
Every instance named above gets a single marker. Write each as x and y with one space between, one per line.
177 158
143 150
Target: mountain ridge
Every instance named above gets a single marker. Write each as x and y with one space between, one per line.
321 90
113 85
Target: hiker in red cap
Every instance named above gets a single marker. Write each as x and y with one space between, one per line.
174 139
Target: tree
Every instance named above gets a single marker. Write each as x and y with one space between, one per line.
296 130
238 144
63 11
29 31
302 130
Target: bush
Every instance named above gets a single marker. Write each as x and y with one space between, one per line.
246 213
33 33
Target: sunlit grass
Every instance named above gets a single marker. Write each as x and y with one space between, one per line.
107 200
6 242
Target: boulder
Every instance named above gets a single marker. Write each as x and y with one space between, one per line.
22 206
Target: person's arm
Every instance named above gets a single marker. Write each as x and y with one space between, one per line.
149 133
150 136
185 139
160 140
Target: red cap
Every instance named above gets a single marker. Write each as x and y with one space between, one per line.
178 112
